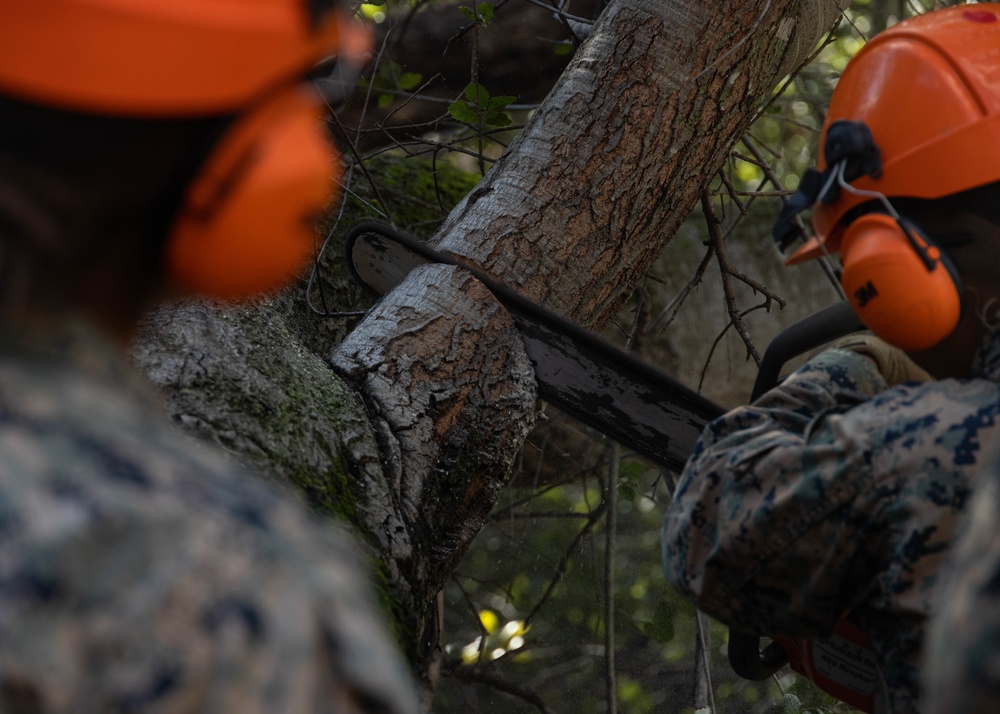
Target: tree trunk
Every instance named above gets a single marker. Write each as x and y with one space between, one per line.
591 191
440 392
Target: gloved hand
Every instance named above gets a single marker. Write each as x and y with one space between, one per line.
891 361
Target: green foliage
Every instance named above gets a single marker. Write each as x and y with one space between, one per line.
482 13
420 191
634 697
661 627
479 109
390 80
516 560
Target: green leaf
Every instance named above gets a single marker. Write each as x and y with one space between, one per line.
563 49
462 111
384 100
387 73
479 106
477 94
483 13
410 80
499 102
499 119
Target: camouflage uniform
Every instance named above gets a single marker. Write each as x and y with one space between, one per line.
833 492
141 572
962 664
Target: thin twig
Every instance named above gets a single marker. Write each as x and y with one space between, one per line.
560 13
704 695
732 192
850 21
754 145
479 675
595 517
488 583
483 633
757 194
513 516
711 353
407 98
610 531
474 76
715 239
674 306
315 279
754 160
404 24
640 326
759 287
371 85
465 28
830 37
718 339
364 169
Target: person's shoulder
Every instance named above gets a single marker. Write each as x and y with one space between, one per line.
913 415
112 518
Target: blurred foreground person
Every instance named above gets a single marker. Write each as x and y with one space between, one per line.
152 148
962 665
839 491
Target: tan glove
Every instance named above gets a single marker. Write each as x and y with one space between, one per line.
891 361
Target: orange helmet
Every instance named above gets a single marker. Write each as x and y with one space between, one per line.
245 225
158 57
928 89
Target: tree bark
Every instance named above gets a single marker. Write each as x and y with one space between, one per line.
591 191
412 433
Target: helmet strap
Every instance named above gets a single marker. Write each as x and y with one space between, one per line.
850 152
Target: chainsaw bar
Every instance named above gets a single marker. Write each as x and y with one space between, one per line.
640 407
586 376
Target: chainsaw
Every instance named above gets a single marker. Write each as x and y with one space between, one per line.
649 412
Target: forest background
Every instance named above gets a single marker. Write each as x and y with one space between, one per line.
558 603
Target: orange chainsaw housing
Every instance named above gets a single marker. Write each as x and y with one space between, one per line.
842 665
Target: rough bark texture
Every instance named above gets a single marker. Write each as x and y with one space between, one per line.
241 378
441 394
451 395
613 162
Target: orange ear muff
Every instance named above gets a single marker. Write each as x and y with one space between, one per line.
903 287
246 225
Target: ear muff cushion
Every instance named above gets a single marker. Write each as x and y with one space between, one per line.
890 287
246 226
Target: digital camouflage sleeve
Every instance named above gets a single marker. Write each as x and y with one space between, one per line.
962 665
833 493
140 571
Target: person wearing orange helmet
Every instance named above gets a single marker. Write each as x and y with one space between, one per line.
152 148
840 490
